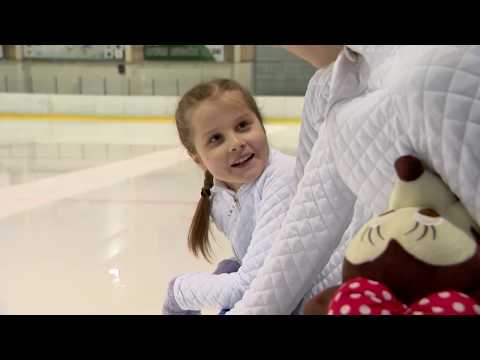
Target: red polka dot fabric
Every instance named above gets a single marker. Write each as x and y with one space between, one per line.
361 296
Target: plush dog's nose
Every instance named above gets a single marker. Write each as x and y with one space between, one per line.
408 168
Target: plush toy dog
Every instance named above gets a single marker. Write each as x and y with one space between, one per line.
420 257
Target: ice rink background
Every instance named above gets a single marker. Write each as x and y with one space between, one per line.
94 216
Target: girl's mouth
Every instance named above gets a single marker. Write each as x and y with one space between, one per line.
243 161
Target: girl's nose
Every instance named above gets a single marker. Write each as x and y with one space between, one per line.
237 144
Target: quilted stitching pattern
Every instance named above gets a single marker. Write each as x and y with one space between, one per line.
331 275
315 102
292 261
425 102
269 201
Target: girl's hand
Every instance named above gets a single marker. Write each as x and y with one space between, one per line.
171 307
227 266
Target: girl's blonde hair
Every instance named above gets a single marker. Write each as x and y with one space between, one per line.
198 240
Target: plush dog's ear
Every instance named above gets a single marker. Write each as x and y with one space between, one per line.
418 187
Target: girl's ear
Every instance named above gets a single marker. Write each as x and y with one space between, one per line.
197 160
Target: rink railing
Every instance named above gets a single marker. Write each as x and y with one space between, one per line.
124 108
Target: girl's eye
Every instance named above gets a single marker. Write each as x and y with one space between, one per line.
214 139
243 125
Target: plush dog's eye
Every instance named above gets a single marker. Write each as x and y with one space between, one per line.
374 227
380 219
428 217
386 212
372 231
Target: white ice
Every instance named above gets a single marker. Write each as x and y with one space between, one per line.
94 216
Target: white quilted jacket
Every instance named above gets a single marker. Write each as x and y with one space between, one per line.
250 219
373 105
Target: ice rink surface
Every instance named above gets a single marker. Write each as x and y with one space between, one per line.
94 217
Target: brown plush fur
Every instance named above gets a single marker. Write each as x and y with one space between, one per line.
408 277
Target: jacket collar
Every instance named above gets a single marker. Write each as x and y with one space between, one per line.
373 55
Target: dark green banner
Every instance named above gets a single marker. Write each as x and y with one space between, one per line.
184 52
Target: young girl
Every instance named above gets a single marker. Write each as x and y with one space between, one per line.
246 192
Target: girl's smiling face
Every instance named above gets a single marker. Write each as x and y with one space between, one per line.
229 139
